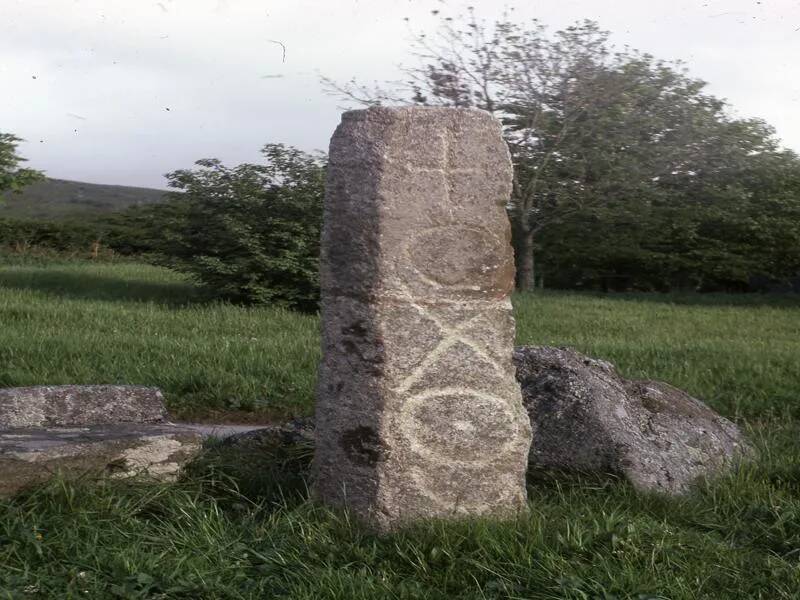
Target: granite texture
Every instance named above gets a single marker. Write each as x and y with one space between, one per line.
587 418
418 414
75 405
30 456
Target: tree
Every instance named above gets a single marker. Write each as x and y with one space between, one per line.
597 136
12 177
248 233
730 217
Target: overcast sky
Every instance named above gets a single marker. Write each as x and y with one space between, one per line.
123 91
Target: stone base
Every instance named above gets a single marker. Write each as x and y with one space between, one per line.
32 455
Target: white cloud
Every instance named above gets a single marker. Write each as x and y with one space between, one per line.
215 64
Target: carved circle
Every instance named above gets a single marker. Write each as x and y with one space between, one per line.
461 426
458 256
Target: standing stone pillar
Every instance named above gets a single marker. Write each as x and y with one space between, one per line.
418 411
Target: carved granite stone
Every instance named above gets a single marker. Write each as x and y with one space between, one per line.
418 413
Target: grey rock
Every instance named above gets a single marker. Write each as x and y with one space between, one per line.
30 456
418 414
94 429
77 405
586 417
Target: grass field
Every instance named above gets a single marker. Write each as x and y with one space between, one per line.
136 324
240 527
129 323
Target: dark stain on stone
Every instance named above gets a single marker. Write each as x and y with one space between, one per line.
358 329
372 360
335 389
363 446
350 346
652 405
118 465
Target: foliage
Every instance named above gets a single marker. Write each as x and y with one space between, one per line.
12 177
147 230
66 237
735 218
136 231
626 170
248 233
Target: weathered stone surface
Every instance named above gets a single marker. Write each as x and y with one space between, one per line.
76 405
221 431
29 456
418 414
586 417
289 434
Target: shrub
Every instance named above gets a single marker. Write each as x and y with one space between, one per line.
249 234
64 237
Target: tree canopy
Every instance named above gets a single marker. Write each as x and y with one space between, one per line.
12 177
249 233
627 173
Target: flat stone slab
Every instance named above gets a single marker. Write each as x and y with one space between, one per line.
32 455
80 405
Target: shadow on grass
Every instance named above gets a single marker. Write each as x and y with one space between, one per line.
267 469
778 300
88 286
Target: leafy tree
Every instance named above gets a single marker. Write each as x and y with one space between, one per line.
616 147
737 216
147 230
248 233
12 177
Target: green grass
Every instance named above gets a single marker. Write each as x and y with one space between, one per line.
136 324
583 538
242 526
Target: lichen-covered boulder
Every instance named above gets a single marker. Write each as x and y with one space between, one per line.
586 417
79 430
32 455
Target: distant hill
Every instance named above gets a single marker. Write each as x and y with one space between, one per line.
56 199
